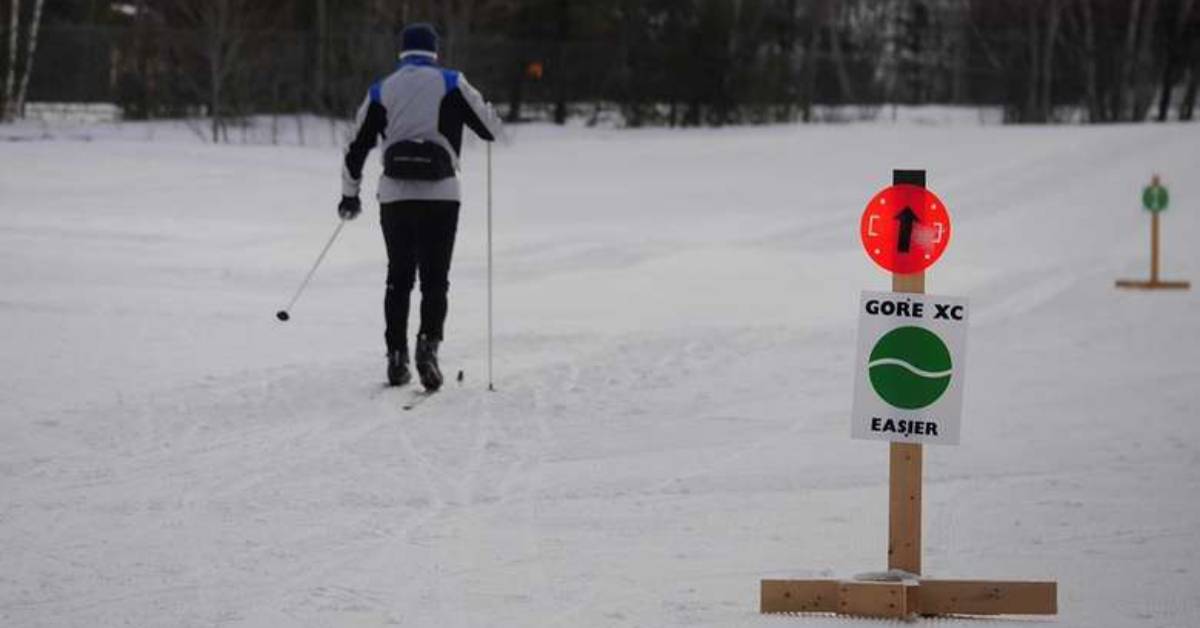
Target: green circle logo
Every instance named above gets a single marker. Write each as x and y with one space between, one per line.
910 367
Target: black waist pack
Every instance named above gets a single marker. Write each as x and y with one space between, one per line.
417 160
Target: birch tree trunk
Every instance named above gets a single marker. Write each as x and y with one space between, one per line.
839 61
1046 103
223 25
1143 86
1124 106
14 24
1091 74
30 51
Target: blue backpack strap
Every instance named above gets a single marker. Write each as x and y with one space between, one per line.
375 94
450 78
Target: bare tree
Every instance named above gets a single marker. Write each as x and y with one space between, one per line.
1122 105
1143 86
839 57
319 89
30 51
1188 107
1174 65
1045 100
1033 88
559 73
222 27
1191 57
6 112
456 17
1087 26
818 12
959 49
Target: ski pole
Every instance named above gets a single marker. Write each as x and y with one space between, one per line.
283 314
489 263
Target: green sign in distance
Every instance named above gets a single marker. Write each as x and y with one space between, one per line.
910 368
1155 198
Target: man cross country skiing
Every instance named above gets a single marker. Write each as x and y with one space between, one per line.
419 111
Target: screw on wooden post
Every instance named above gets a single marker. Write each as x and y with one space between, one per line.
905 464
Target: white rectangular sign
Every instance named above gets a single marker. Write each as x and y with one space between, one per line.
908 376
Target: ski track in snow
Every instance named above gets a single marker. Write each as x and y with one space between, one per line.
673 373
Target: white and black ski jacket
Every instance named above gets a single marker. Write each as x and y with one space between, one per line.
418 102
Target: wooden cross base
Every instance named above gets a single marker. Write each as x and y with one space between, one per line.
1153 284
907 598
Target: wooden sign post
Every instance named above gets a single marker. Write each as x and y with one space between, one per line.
902 591
906 459
1155 200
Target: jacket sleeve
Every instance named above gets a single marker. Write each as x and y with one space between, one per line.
480 116
369 124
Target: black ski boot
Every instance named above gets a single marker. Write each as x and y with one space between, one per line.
427 363
397 369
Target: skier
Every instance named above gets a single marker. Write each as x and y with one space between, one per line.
419 111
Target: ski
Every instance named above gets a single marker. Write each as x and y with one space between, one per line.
419 397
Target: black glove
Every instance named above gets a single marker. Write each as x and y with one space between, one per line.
349 208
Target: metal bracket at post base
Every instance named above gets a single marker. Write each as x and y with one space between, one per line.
905 599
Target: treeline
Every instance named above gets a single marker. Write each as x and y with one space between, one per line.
650 62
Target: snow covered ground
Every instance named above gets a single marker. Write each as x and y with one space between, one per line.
676 320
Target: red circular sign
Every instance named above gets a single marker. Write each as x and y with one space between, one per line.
905 228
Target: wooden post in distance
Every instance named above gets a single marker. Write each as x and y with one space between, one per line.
1155 255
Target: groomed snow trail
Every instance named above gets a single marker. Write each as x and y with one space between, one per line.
675 343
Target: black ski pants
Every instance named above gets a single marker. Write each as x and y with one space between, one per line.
420 241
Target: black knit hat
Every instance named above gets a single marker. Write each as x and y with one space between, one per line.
419 37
